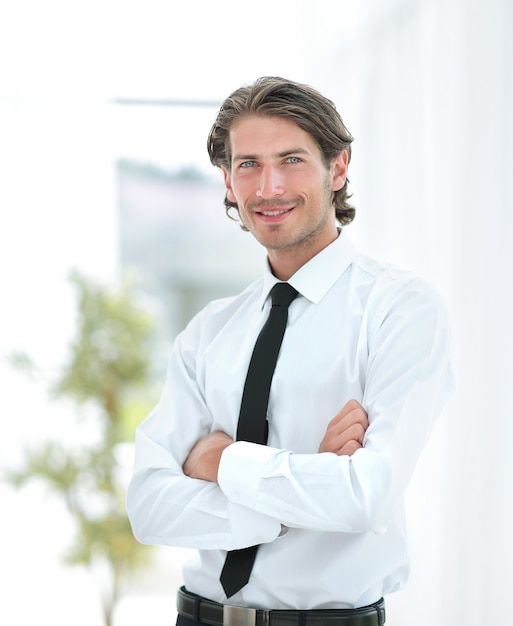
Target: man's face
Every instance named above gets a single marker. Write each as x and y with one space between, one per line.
282 187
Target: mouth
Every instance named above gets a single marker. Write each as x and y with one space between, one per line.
274 215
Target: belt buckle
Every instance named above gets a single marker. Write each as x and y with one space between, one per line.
238 616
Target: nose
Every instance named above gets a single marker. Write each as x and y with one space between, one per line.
270 183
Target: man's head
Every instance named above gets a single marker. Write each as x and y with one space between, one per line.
301 104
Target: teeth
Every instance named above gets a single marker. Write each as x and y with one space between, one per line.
273 213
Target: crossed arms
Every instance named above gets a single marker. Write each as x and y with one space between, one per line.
344 436
193 486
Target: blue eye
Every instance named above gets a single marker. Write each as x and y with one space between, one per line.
247 164
294 159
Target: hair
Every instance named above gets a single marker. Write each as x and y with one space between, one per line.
303 105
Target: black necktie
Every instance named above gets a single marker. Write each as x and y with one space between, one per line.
252 424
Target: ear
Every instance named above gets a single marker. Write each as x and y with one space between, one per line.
339 170
228 184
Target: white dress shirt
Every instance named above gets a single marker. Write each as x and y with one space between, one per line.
331 528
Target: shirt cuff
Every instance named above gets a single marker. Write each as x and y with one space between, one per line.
240 471
239 477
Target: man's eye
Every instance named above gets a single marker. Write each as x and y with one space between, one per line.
294 159
247 164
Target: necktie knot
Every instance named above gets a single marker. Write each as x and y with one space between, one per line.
282 294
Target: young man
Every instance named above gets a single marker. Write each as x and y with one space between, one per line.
361 375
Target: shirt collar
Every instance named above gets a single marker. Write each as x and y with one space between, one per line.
314 279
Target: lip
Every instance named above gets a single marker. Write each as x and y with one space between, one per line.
274 214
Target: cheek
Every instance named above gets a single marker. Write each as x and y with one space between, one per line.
241 192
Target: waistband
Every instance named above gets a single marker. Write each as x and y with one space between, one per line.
212 613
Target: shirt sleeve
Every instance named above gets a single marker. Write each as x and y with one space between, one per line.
407 382
165 506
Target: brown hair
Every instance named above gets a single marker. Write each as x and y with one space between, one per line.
303 105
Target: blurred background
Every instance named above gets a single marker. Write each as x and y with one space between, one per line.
104 112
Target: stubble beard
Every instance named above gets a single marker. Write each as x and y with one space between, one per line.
308 236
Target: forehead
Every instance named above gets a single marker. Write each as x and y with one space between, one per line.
268 135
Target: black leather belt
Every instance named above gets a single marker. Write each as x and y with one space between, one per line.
212 613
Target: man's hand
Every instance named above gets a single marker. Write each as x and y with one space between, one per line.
204 458
345 432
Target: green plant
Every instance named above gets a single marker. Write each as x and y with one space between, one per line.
107 373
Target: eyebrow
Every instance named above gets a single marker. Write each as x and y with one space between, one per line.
285 153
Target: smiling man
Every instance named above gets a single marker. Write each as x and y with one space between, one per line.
283 190
294 413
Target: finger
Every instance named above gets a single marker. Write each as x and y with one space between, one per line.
348 416
358 416
352 407
336 438
356 432
350 448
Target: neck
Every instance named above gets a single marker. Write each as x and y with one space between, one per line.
286 262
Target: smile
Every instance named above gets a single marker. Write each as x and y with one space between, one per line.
274 213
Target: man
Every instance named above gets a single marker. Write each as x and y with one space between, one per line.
361 376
